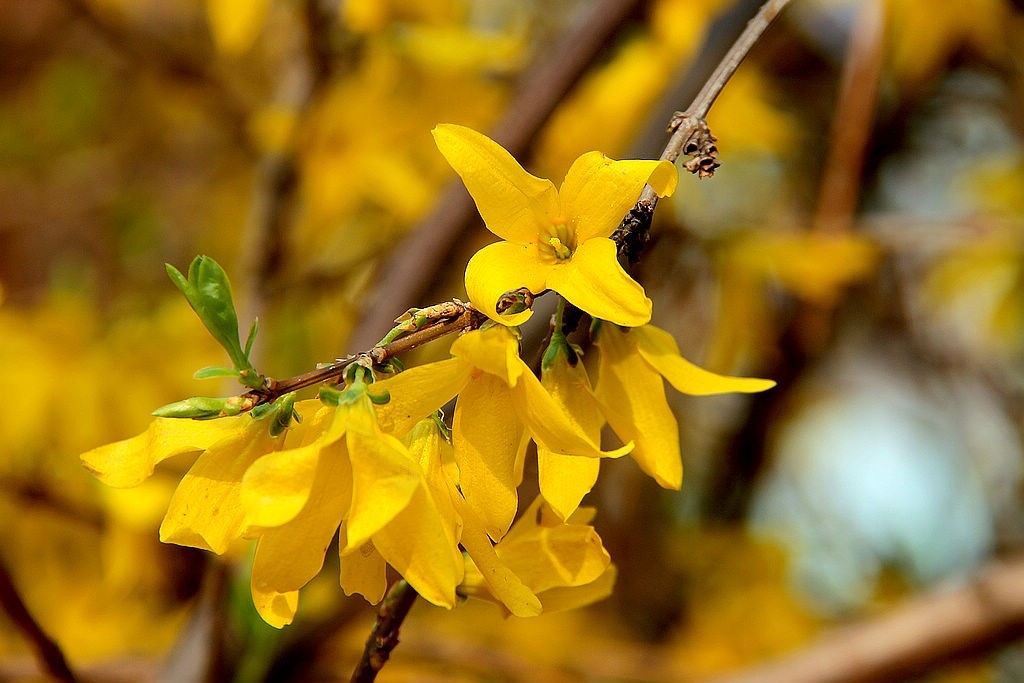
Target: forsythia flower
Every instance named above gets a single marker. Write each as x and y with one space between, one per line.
629 385
353 475
556 239
564 564
501 406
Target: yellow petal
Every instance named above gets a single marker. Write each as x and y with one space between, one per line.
417 392
418 545
503 267
275 488
486 570
235 25
129 462
384 478
486 435
277 609
598 191
565 479
546 557
363 571
572 597
660 350
494 350
206 509
289 556
634 398
550 426
515 205
437 460
593 281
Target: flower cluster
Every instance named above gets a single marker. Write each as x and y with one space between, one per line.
374 464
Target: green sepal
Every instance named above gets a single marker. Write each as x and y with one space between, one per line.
214 371
208 292
200 408
341 397
281 413
253 329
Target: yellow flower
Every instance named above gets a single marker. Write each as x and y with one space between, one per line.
629 385
352 474
501 406
563 563
205 511
556 239
565 479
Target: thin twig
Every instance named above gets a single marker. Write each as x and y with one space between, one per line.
690 133
384 636
464 317
49 655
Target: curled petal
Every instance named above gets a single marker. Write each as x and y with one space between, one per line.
486 570
515 205
598 191
128 463
593 281
634 398
503 267
660 350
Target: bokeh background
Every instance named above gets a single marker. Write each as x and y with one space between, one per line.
862 243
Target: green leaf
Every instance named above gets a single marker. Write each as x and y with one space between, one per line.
214 371
253 329
208 292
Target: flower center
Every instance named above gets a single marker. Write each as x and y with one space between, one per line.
557 242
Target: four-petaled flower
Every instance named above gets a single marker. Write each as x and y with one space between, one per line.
555 239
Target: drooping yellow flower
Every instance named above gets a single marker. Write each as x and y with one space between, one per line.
555 239
632 364
564 563
501 406
353 475
565 479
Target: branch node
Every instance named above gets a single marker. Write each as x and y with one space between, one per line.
699 144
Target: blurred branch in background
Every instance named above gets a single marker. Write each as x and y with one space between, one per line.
912 639
48 653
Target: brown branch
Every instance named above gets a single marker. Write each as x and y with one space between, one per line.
408 272
453 317
384 636
919 636
852 122
49 655
690 133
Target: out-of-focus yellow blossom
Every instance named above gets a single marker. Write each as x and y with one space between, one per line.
235 25
555 239
814 266
564 563
565 479
371 16
501 406
629 384
923 35
348 473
